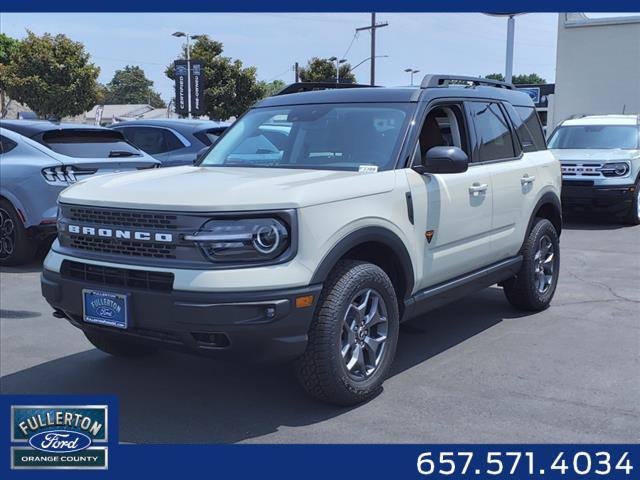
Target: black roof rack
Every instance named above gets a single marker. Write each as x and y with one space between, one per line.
439 80
311 86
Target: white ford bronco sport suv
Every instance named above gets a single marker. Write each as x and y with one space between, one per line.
600 157
315 225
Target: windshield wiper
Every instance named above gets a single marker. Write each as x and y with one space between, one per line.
122 153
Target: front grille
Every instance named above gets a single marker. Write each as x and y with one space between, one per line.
581 169
123 247
117 277
121 218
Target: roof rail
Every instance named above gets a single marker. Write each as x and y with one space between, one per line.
310 86
439 80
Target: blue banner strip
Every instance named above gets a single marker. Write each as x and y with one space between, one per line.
323 6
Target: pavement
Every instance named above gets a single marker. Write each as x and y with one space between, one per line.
473 371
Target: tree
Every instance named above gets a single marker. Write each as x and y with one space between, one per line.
526 79
130 85
8 47
230 89
322 70
52 75
271 88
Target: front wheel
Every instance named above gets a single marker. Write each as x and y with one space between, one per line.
633 216
353 336
535 284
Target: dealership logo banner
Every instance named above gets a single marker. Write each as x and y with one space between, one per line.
49 435
182 77
197 88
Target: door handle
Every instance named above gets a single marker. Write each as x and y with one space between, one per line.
478 188
526 179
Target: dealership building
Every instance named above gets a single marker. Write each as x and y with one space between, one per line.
597 67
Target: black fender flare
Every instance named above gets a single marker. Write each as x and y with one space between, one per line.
547 198
374 234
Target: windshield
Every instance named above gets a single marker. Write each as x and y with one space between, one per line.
596 136
331 137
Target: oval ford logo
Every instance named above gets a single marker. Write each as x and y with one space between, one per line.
105 312
60 441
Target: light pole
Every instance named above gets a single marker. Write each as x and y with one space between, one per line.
192 37
511 27
411 71
338 62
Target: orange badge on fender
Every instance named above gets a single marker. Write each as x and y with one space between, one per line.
429 235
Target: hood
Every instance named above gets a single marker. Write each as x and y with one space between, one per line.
194 189
594 155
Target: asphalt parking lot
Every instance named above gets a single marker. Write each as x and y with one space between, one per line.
474 371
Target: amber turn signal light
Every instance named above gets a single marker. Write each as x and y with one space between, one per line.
305 301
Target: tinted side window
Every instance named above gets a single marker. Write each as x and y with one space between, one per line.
494 140
152 140
444 125
529 129
6 144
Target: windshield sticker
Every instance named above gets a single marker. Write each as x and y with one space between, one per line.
368 168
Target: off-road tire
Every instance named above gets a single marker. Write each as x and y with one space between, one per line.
321 370
23 247
116 346
633 216
522 291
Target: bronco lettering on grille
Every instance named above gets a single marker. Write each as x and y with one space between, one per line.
122 234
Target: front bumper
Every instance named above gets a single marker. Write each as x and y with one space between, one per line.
614 198
249 326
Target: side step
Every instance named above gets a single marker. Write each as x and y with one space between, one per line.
446 292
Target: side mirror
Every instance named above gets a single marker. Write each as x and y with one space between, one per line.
444 160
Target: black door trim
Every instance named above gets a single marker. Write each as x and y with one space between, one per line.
443 293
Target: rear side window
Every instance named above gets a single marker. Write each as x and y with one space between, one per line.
493 134
6 144
152 140
209 136
89 143
529 129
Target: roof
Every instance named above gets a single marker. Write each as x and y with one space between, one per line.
396 95
30 128
613 119
178 124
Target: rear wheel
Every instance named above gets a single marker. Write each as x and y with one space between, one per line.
353 337
16 247
633 217
535 284
116 346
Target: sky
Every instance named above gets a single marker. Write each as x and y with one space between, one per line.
457 43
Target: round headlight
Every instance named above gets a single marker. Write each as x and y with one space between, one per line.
617 169
266 239
242 240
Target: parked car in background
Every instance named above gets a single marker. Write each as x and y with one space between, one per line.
39 162
600 156
173 142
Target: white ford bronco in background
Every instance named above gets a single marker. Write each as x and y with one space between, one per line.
600 157
322 219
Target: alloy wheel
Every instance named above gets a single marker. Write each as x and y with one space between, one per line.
544 265
7 235
364 334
